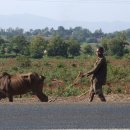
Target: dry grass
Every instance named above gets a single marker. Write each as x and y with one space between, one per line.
111 98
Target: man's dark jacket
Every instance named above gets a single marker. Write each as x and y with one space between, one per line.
99 72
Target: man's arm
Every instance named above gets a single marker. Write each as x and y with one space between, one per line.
97 67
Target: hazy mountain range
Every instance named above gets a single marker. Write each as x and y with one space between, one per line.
27 21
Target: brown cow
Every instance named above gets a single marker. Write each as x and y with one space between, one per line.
11 85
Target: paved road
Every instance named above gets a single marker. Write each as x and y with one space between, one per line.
64 116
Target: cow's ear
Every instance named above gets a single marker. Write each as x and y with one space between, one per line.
42 77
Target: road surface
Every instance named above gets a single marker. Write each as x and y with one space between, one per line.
16 116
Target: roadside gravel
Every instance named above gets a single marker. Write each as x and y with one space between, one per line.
114 98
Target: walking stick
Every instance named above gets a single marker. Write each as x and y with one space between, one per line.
78 77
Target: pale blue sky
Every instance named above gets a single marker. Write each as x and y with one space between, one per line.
79 10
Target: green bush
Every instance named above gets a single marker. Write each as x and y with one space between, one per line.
15 68
60 65
107 90
119 90
116 73
71 91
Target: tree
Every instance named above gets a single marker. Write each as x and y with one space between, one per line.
98 33
105 42
2 41
37 46
2 49
19 43
73 47
87 49
115 46
57 47
78 34
61 31
46 31
3 46
16 50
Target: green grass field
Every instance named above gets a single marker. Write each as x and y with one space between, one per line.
61 73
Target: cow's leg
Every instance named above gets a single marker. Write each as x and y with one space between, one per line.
42 96
2 94
20 95
102 98
10 96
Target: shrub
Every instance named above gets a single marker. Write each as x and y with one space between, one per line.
74 65
119 90
116 73
15 68
60 65
107 90
71 91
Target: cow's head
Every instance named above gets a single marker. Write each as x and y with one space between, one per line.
2 94
36 79
4 83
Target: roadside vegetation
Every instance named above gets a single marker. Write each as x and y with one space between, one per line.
61 54
61 73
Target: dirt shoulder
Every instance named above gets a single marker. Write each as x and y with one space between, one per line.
112 98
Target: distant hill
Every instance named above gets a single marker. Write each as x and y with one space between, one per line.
27 21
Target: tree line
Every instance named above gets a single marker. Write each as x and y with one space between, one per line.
61 42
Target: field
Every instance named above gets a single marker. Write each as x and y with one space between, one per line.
61 73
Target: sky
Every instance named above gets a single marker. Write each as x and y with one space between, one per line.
70 10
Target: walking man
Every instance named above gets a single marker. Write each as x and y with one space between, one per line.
98 73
